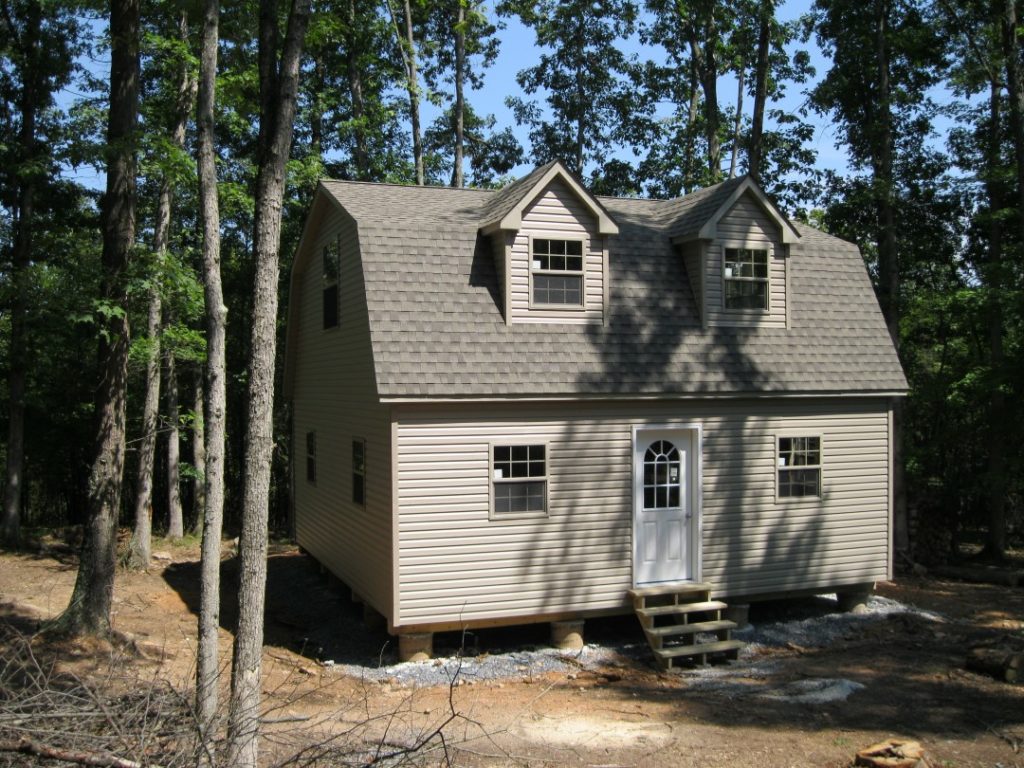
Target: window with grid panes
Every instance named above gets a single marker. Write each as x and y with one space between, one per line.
745 278
311 457
556 272
799 467
359 472
519 477
331 268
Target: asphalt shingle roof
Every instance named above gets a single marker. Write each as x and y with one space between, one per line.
437 329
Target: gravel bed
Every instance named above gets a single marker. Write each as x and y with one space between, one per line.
807 624
819 628
515 664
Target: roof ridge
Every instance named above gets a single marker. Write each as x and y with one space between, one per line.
397 185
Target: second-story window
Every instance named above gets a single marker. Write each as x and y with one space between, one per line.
556 272
745 278
331 267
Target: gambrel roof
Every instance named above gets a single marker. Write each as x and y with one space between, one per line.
437 329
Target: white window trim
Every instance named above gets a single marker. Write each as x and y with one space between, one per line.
513 516
779 499
769 248
576 237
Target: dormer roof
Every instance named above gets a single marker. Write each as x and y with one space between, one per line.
504 211
696 216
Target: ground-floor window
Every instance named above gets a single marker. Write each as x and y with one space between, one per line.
519 480
311 457
799 466
359 472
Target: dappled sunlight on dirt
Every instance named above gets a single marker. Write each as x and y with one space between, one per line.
610 706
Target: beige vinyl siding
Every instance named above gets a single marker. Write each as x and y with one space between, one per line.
456 565
557 213
335 396
692 256
746 225
500 246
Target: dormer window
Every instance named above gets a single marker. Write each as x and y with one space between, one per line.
745 278
556 272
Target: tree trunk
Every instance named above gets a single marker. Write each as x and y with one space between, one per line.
89 609
207 663
175 524
198 454
414 97
407 48
581 114
888 255
141 543
460 101
738 123
703 45
142 532
756 147
10 526
278 86
1015 93
888 267
689 150
995 544
709 80
355 87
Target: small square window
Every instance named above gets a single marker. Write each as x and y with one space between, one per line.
359 472
519 480
311 457
799 467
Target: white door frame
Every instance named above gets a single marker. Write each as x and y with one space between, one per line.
696 492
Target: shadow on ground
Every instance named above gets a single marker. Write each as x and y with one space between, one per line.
309 615
911 666
303 613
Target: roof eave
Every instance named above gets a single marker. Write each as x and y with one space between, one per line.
645 396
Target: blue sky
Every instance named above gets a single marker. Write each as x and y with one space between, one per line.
518 51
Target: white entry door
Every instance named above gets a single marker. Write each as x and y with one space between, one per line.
663 501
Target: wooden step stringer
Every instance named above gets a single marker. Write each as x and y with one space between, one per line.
673 615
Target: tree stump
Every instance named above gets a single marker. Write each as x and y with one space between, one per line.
894 753
1001 662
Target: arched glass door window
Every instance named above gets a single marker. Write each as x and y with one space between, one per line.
662 476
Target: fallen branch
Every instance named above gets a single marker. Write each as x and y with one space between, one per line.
28 747
285 719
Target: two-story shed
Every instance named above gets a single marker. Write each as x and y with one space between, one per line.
518 405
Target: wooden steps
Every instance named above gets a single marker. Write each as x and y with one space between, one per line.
674 616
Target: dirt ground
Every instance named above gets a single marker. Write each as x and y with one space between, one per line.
618 712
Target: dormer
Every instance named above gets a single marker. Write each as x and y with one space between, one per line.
736 245
549 237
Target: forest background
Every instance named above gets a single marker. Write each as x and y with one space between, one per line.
921 98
